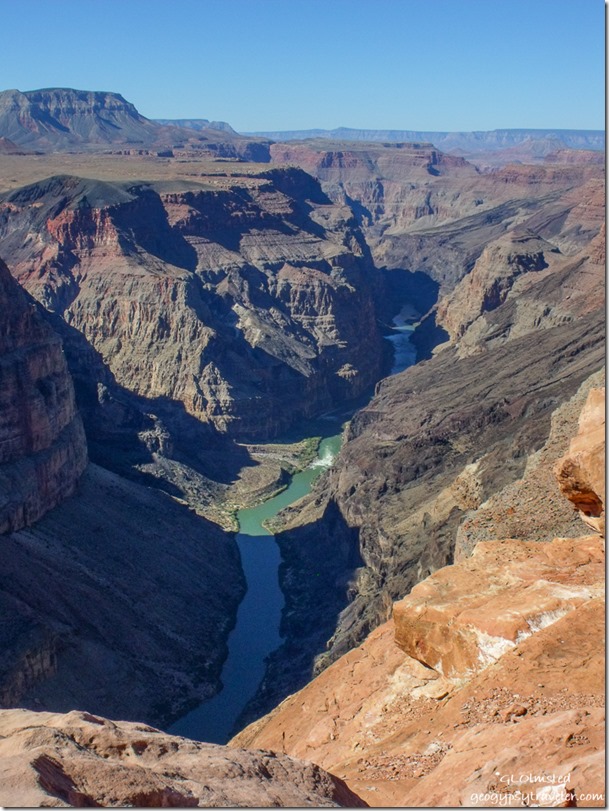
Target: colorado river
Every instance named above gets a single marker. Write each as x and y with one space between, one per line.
256 633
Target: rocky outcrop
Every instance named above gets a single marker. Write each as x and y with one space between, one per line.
465 617
83 760
492 696
42 444
581 472
487 286
245 299
548 270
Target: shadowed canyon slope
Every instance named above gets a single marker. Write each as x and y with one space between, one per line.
43 449
486 688
114 598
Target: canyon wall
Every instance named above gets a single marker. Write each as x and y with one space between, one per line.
524 331
42 443
115 597
424 210
486 686
246 300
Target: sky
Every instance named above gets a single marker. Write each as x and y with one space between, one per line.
300 64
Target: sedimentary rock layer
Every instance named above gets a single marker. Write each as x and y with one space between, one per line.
424 210
247 299
42 444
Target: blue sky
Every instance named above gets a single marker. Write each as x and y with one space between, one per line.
296 64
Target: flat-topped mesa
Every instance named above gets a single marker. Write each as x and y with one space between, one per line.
42 444
247 298
62 118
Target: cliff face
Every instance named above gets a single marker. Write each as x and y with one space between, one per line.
421 209
42 444
98 587
548 270
83 760
485 688
245 299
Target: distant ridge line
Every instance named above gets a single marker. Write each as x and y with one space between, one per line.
488 139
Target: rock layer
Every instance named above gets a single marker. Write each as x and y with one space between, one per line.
42 444
492 696
248 300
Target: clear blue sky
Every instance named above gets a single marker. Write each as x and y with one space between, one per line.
296 64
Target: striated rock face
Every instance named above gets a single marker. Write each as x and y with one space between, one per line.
487 286
248 300
581 472
492 696
547 270
423 210
83 760
42 444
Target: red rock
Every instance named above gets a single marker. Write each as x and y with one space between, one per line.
581 472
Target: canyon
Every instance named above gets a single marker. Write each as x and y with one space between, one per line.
181 305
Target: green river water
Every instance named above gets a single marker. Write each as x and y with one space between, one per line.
256 633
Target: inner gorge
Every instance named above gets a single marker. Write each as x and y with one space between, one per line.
301 463
256 634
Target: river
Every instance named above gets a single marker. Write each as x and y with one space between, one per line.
256 632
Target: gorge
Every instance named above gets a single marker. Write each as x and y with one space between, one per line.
373 352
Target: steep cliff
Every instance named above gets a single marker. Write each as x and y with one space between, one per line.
486 688
42 444
98 575
246 299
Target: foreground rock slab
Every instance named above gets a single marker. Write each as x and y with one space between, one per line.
82 760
